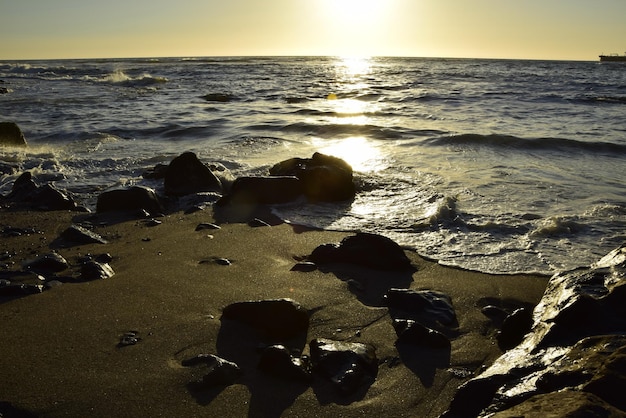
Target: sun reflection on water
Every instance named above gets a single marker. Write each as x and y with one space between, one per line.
361 154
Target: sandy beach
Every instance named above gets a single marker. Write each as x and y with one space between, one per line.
61 351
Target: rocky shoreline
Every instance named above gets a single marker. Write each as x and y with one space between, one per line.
188 302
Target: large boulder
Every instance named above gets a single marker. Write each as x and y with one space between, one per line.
325 178
576 343
136 198
11 134
186 174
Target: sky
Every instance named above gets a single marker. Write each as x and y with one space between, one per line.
524 29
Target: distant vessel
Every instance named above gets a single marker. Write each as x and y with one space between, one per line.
613 58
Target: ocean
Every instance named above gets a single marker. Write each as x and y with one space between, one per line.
499 166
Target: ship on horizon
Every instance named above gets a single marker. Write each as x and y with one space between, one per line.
613 58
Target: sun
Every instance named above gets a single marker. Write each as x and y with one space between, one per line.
355 26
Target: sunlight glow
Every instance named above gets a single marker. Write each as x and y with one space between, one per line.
357 151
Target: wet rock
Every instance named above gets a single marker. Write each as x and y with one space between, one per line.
514 327
186 174
414 333
129 338
324 178
262 191
16 290
204 226
11 134
350 366
47 197
156 173
217 97
93 270
304 266
220 372
134 199
80 235
47 263
277 361
421 304
368 250
577 341
279 318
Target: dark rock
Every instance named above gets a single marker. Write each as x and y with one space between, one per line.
566 403
279 318
435 306
80 235
348 365
47 197
414 333
369 250
129 338
186 174
204 226
262 191
514 327
576 342
133 199
93 270
277 361
11 134
218 97
325 178
304 266
7 169
47 263
103 258
13 290
156 173
220 372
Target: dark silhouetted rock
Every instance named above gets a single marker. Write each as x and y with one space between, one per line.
576 343
262 191
348 365
47 263
11 134
47 197
369 250
414 333
135 198
279 318
435 306
277 361
80 235
220 372
218 97
325 178
186 174
514 327
93 270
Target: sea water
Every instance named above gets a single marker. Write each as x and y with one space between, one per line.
500 166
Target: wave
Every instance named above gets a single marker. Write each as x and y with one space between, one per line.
121 78
527 144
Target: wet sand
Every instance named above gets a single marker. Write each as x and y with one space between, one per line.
60 353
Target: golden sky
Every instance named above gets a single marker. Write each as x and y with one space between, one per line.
534 29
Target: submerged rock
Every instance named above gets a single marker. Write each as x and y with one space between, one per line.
349 366
11 134
369 250
324 178
279 318
576 344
